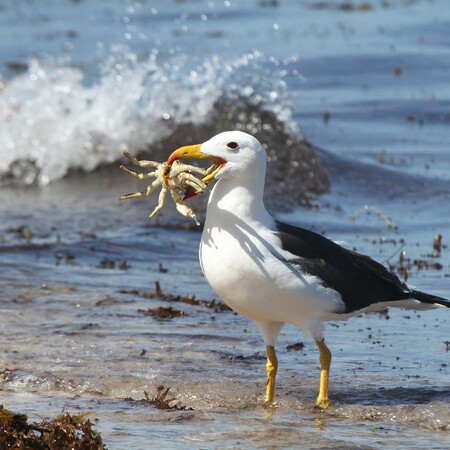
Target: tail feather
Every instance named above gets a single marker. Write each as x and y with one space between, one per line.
429 298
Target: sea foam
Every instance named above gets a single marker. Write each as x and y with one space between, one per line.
53 120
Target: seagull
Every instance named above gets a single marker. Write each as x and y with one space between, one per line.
275 273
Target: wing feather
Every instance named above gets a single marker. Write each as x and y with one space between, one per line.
359 279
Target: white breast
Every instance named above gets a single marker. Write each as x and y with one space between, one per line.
243 263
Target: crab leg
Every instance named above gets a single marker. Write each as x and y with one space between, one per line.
195 169
139 175
141 163
161 198
192 181
150 189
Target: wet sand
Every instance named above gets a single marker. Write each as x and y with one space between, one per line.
76 335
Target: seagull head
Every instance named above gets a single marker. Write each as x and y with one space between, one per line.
236 154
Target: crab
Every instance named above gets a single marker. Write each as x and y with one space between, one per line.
177 178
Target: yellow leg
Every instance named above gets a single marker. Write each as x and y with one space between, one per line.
325 360
271 366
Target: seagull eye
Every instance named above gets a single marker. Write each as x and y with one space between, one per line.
232 145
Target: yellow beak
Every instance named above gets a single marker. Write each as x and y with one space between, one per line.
188 151
193 151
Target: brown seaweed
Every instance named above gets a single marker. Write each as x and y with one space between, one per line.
160 400
295 347
65 431
158 293
162 312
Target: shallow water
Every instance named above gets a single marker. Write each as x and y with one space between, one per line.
78 268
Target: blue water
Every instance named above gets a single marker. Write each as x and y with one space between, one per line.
82 81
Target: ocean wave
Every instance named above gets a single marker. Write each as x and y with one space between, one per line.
52 121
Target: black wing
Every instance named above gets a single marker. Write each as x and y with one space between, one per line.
360 280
